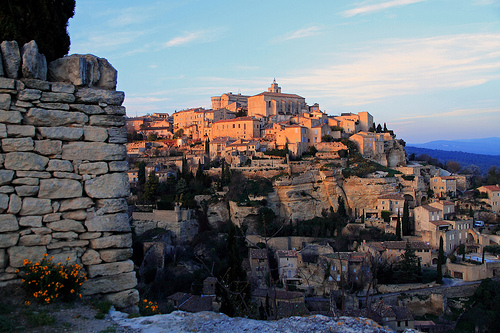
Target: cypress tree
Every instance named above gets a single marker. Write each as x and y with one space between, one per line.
440 262
398 228
406 220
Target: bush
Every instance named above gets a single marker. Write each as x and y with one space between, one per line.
47 281
148 308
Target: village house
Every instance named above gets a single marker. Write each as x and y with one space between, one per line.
349 268
493 193
259 264
398 318
369 144
293 136
242 127
391 251
330 150
447 207
443 186
288 262
392 202
230 102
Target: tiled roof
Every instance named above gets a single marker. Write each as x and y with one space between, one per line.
267 93
394 196
286 253
258 254
492 188
430 208
440 222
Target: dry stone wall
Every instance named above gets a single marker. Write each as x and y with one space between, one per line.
63 179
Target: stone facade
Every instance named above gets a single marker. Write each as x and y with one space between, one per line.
63 180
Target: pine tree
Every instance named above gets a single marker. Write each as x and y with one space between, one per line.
141 173
150 188
409 264
440 262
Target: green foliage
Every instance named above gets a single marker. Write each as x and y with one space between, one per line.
150 188
141 173
102 308
386 216
179 133
44 21
361 167
148 308
266 222
42 318
276 152
152 137
46 281
409 268
493 249
6 324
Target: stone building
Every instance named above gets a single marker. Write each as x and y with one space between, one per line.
274 102
493 193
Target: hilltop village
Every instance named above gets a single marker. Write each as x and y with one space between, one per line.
282 207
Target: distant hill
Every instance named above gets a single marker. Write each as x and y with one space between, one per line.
484 162
485 146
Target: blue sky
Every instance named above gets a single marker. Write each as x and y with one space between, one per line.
430 69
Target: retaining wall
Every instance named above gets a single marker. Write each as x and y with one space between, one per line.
63 180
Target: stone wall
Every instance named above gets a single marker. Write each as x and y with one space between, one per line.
63 180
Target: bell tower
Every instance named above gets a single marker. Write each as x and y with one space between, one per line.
274 88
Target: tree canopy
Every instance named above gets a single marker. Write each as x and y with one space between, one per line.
44 21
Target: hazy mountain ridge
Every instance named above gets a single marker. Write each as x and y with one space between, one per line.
484 146
484 162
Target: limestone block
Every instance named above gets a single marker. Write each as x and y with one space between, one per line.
66 225
110 268
23 131
54 106
67 175
93 151
27 190
117 135
41 231
96 96
25 161
108 75
35 206
6 176
30 221
5 101
52 217
8 222
26 181
123 299
11 58
33 240
17 144
75 204
109 206
123 240
34 64
75 215
48 147
60 165
6 83
10 117
29 95
1 66
117 166
6 189
91 257
90 235
97 134
3 259
17 254
105 120
22 105
113 222
42 117
113 255
8 239
35 174
3 131
68 235
61 133
76 69
37 84
96 168
108 284
62 88
53 97
4 202
70 244
115 110
68 257
15 204
114 185
59 189
87 109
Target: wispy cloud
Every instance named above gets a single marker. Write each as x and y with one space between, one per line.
405 67
301 33
453 113
186 38
367 9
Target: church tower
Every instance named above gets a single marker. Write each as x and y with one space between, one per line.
274 88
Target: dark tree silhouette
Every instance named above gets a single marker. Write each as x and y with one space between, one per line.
44 21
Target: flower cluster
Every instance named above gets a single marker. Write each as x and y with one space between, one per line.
47 281
148 308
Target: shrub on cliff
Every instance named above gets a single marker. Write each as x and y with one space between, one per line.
44 21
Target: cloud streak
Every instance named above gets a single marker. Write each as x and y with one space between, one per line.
368 9
302 33
405 67
186 38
